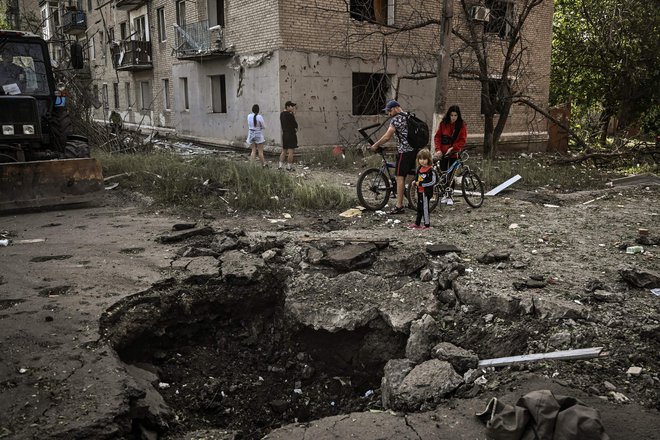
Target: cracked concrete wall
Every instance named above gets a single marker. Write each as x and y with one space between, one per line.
322 87
244 87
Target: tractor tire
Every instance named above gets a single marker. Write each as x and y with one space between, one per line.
75 149
60 128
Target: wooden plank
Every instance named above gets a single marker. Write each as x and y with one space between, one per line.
580 353
504 185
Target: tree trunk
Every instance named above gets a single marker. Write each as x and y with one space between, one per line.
604 123
444 64
499 128
489 152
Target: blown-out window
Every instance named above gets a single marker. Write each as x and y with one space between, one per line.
375 11
370 91
500 18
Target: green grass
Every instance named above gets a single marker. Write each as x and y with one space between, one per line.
333 158
537 172
211 182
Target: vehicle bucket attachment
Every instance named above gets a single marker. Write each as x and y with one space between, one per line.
49 183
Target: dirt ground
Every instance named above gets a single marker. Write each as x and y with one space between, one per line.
59 378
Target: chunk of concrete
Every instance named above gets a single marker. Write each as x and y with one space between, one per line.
442 249
424 333
640 277
494 256
351 257
394 373
349 301
203 267
608 297
241 268
548 307
400 264
427 383
461 359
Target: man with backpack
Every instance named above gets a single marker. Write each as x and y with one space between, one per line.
406 153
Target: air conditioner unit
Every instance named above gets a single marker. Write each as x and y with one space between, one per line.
480 13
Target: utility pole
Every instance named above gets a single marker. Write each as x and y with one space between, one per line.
444 63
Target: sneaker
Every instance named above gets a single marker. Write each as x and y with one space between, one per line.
397 210
415 226
425 227
290 169
449 202
444 200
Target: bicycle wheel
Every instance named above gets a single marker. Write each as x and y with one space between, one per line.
411 195
473 189
373 189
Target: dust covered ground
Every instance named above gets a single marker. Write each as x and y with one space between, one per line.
106 333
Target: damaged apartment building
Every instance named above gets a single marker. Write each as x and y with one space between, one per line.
195 68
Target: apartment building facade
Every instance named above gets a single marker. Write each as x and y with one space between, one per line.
196 68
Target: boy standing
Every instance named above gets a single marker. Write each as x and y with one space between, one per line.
289 136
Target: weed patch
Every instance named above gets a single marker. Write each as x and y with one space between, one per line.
537 173
218 183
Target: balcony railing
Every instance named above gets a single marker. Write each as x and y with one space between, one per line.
196 40
74 22
129 5
131 55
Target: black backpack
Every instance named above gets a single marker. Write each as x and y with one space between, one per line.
418 131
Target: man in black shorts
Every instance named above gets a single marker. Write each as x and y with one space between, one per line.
405 158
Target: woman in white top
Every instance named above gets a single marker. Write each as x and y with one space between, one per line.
255 137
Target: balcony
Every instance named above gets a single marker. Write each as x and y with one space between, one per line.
131 55
197 41
74 22
129 5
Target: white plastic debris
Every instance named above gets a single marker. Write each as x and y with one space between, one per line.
369 393
22 370
4 242
481 380
513 226
163 385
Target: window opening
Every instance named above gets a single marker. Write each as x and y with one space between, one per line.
218 94
370 91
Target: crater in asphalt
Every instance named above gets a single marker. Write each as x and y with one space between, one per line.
225 357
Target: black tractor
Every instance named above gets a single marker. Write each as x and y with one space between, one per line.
41 161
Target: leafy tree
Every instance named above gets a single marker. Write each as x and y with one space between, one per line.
605 58
4 24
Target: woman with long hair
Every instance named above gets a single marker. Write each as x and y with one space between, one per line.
255 136
449 140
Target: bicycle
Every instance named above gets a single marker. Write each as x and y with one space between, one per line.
472 188
376 185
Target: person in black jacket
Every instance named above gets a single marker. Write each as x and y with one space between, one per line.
289 136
